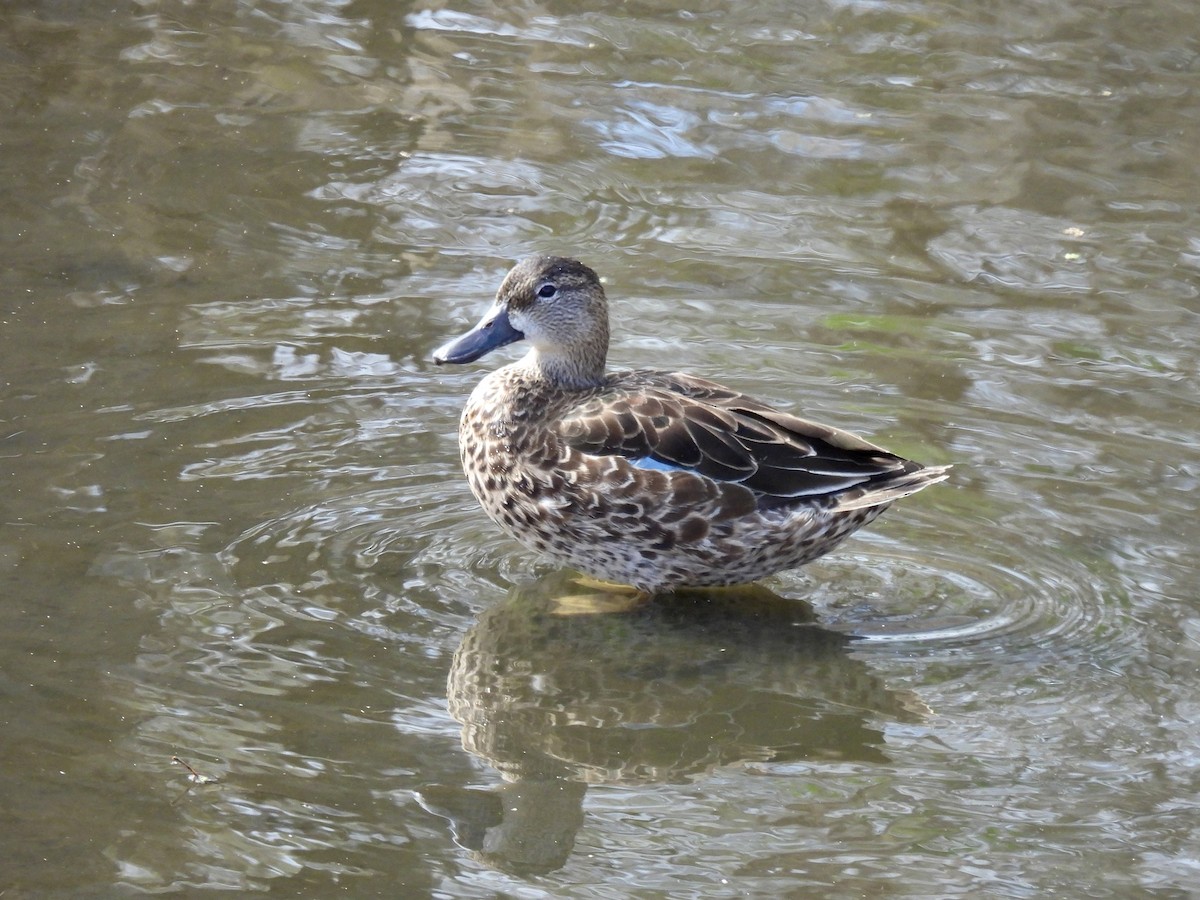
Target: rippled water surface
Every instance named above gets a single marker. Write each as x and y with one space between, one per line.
235 532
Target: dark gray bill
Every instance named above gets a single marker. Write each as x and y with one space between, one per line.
493 331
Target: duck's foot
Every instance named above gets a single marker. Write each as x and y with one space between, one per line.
598 598
597 584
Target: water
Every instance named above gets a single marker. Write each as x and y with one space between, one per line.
235 532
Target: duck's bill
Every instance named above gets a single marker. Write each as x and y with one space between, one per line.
493 331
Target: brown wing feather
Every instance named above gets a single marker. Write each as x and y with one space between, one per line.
679 421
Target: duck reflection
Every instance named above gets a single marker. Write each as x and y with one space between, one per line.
556 696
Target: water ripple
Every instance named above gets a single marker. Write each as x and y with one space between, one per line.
410 543
982 595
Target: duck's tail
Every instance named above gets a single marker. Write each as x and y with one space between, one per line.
889 489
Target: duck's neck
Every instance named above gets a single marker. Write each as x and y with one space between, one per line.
573 371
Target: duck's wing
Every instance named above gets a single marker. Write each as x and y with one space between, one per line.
678 422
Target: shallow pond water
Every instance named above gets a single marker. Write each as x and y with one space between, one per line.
235 532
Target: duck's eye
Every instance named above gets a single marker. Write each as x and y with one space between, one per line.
547 290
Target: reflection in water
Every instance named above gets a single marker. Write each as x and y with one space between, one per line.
662 692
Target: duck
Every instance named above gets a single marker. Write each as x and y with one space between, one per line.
654 479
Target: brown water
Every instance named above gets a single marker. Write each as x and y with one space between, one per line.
234 529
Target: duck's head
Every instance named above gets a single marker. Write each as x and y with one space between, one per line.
555 303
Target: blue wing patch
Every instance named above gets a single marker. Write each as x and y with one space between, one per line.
649 462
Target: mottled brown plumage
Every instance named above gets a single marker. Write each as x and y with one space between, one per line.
654 479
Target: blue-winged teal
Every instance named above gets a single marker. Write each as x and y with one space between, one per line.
647 478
